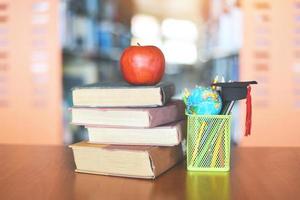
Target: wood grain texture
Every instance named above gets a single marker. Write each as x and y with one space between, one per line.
46 172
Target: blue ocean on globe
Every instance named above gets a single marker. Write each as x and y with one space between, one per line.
204 101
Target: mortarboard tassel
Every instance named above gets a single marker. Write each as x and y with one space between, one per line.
248 112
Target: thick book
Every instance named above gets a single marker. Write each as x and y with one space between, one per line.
122 95
127 161
166 135
129 117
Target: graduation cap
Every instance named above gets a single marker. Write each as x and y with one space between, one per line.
234 91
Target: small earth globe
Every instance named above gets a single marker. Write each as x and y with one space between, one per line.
204 101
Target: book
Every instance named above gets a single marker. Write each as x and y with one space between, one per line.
129 117
106 94
127 161
166 135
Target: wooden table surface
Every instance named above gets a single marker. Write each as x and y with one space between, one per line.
46 172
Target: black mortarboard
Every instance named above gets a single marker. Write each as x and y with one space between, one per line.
232 91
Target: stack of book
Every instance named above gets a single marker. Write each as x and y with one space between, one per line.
134 131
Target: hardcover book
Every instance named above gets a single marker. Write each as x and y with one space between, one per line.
129 117
166 135
122 94
128 161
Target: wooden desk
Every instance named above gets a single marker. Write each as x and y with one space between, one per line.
45 172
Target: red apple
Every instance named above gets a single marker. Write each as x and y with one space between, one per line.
142 65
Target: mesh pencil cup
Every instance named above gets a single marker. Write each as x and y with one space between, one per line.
208 142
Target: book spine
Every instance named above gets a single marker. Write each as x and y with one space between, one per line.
181 130
166 114
164 158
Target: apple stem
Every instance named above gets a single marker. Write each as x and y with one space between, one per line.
138 44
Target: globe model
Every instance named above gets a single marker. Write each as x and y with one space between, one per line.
204 101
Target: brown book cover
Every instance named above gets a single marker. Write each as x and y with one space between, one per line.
121 94
129 117
127 161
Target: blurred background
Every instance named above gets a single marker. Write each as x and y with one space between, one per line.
48 47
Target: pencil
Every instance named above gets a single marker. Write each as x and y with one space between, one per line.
196 149
216 150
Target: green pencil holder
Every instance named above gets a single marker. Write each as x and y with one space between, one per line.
208 142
